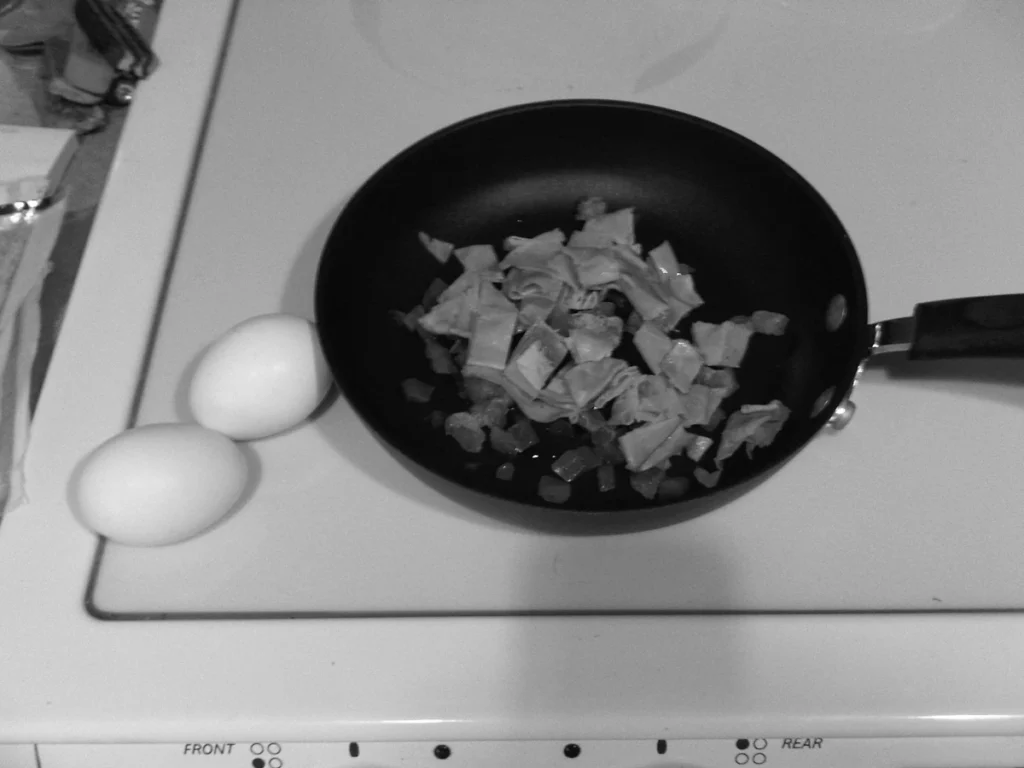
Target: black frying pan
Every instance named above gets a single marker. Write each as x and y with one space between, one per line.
757 235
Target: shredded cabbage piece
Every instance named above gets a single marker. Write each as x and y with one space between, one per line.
652 398
579 299
664 261
698 404
492 337
630 257
755 426
551 236
477 257
522 283
653 345
533 408
440 359
536 357
558 394
439 249
586 380
623 380
593 337
723 344
684 289
535 309
643 297
617 226
490 298
682 364
639 444
459 302
672 446
718 378
594 266
451 318
542 256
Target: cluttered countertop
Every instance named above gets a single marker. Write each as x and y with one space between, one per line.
35 93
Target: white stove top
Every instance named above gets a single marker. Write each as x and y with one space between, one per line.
914 507
906 117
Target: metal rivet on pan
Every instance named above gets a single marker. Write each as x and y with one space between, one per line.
842 415
836 313
823 400
122 94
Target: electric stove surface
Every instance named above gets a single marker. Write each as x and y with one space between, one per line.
905 119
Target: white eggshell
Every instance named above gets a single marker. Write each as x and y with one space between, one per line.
158 484
264 376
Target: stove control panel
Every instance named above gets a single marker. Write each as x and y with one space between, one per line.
749 750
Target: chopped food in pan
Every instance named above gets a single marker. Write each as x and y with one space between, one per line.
582 336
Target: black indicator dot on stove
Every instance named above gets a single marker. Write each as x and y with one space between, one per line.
353 749
442 752
258 763
662 746
742 743
572 750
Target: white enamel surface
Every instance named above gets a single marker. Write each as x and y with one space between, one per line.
911 508
907 122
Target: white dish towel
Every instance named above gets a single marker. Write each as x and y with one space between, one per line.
26 243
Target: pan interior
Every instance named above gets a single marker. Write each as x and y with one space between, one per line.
756 235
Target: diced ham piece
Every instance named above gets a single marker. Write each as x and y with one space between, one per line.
769 323
467 430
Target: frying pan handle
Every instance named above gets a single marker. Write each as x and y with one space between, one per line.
982 326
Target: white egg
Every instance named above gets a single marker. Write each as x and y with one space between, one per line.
159 484
264 376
